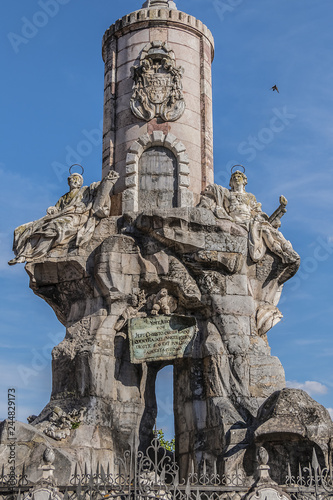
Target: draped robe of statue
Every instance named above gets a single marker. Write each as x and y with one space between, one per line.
243 208
75 215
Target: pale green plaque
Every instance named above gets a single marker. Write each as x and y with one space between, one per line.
159 338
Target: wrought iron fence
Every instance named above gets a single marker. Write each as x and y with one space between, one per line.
155 475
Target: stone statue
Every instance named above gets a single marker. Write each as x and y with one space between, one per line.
238 206
75 215
132 311
163 303
60 424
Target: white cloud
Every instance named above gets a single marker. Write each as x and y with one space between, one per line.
330 411
310 386
306 342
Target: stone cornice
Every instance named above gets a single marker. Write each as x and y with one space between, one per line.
145 18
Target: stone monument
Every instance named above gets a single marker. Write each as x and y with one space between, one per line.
157 265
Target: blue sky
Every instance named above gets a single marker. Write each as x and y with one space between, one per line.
52 98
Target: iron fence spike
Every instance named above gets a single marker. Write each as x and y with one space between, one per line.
188 488
91 481
310 474
315 463
162 476
103 474
310 483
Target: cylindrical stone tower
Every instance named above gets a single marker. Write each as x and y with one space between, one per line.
158 132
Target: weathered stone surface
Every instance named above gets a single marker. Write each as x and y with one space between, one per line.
294 411
265 373
185 261
30 446
290 425
234 305
237 285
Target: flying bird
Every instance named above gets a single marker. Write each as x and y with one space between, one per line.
275 88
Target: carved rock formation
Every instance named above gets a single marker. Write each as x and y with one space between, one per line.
182 261
141 278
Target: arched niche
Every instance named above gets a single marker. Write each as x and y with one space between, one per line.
158 179
168 154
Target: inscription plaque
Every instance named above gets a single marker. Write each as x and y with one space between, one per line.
160 338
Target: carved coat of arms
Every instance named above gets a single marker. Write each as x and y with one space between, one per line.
157 89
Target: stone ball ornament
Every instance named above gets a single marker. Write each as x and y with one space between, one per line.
262 456
48 456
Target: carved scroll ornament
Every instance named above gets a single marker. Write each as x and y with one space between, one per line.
157 89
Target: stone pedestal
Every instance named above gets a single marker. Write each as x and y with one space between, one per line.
99 396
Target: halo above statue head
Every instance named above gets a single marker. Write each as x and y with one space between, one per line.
76 165
234 172
232 168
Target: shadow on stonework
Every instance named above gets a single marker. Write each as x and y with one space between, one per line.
290 425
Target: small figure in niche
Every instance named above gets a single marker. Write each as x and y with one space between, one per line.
132 311
163 303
